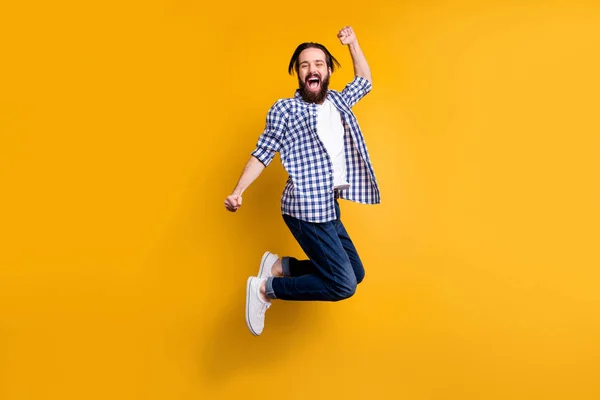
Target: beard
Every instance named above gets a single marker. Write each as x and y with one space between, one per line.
314 97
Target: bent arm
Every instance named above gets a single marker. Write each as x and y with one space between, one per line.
268 144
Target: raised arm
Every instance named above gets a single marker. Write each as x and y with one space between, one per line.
361 67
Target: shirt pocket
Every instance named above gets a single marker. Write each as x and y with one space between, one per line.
299 126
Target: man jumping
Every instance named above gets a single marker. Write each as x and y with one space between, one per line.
323 150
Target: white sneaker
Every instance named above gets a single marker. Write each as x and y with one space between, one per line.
255 306
268 259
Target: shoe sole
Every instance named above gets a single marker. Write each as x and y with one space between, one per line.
262 264
248 307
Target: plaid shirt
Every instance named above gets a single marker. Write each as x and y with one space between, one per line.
291 130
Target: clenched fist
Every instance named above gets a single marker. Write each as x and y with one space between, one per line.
346 35
233 202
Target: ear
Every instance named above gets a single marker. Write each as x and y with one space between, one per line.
330 72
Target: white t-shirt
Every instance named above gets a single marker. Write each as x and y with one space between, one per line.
331 132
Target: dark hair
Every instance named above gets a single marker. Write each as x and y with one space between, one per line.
329 59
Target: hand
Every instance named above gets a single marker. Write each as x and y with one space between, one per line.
233 202
346 35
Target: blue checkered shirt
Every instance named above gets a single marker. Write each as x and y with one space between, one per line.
291 130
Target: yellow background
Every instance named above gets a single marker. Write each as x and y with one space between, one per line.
125 124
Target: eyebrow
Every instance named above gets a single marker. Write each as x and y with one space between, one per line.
306 62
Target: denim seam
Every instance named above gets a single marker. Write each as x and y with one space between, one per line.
326 257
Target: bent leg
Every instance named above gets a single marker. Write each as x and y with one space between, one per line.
293 267
334 278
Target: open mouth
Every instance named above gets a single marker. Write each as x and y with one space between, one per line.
313 82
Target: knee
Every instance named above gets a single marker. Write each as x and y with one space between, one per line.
358 268
360 276
344 289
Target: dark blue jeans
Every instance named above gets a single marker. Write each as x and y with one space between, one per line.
332 271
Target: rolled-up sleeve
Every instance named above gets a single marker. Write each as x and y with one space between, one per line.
356 90
269 141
